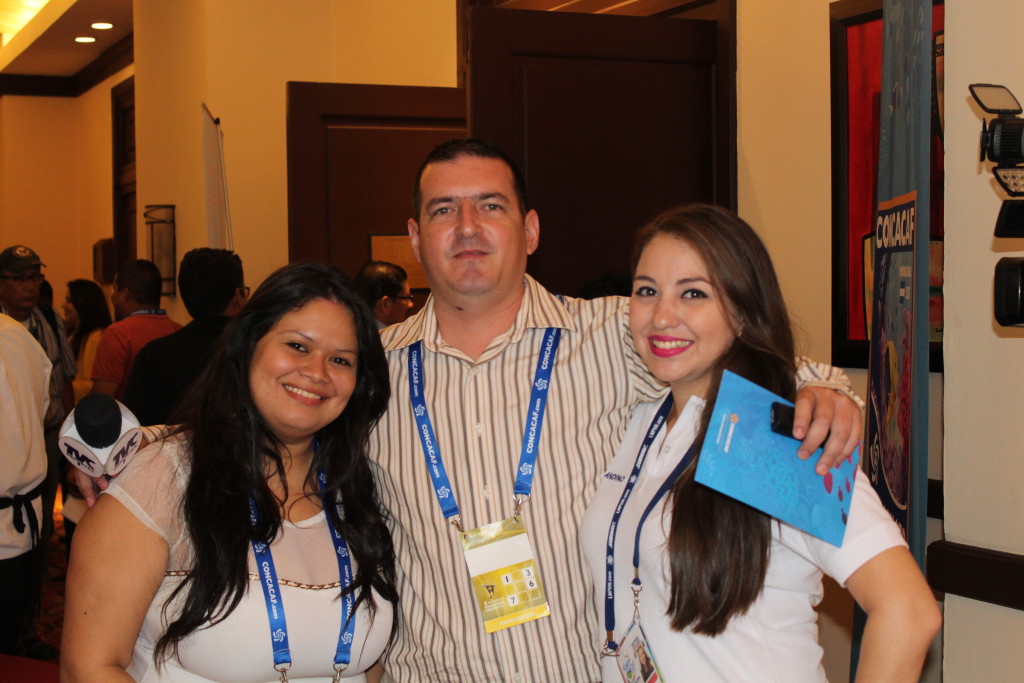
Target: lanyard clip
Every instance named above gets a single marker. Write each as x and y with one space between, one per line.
456 521
283 672
338 670
636 587
611 648
519 500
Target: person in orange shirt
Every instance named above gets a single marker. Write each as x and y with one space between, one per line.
136 301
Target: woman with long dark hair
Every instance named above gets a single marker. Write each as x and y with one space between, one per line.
86 315
250 541
721 591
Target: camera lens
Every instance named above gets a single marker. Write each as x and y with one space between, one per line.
1006 139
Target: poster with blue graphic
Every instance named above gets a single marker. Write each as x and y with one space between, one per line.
896 450
892 359
896 447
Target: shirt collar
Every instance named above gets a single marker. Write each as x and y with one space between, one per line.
539 309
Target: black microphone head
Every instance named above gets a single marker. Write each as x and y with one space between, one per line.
98 420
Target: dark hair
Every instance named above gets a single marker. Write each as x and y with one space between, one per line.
609 284
230 445
208 279
450 151
718 547
142 279
45 293
378 279
91 306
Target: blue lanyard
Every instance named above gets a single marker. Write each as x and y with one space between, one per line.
343 654
609 596
275 606
146 311
531 435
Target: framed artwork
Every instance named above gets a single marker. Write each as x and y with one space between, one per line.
856 74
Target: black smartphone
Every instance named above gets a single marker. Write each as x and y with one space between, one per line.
782 419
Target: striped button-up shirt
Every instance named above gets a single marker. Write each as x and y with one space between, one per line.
479 410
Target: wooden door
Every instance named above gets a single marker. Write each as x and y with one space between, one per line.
352 153
123 246
612 119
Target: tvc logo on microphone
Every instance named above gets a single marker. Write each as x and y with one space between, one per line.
99 436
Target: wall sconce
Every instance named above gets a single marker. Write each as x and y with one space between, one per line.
1002 142
160 219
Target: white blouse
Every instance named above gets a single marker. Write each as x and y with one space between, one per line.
777 639
238 649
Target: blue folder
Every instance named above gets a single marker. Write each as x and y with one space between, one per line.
744 459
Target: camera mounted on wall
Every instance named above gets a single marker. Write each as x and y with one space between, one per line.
1002 142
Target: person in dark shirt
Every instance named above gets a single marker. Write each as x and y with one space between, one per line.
211 284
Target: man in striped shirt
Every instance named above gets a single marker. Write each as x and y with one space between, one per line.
477 342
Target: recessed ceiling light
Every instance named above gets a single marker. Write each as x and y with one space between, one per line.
102 25
85 39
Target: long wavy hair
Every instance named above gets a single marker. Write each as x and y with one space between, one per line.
93 312
231 445
718 547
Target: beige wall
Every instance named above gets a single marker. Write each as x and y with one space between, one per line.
784 143
412 42
40 188
170 75
56 165
984 363
237 56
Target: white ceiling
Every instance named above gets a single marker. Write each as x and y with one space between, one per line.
46 45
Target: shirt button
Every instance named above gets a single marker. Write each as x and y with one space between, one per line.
479 429
517 677
487 491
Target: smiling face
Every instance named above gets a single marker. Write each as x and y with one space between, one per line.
471 235
303 371
679 320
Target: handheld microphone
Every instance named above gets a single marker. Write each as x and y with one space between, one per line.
99 436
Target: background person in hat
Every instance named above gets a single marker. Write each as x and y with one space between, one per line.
20 278
24 376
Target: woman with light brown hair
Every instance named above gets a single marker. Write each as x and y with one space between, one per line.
723 592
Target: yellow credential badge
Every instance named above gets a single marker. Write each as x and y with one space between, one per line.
504 575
